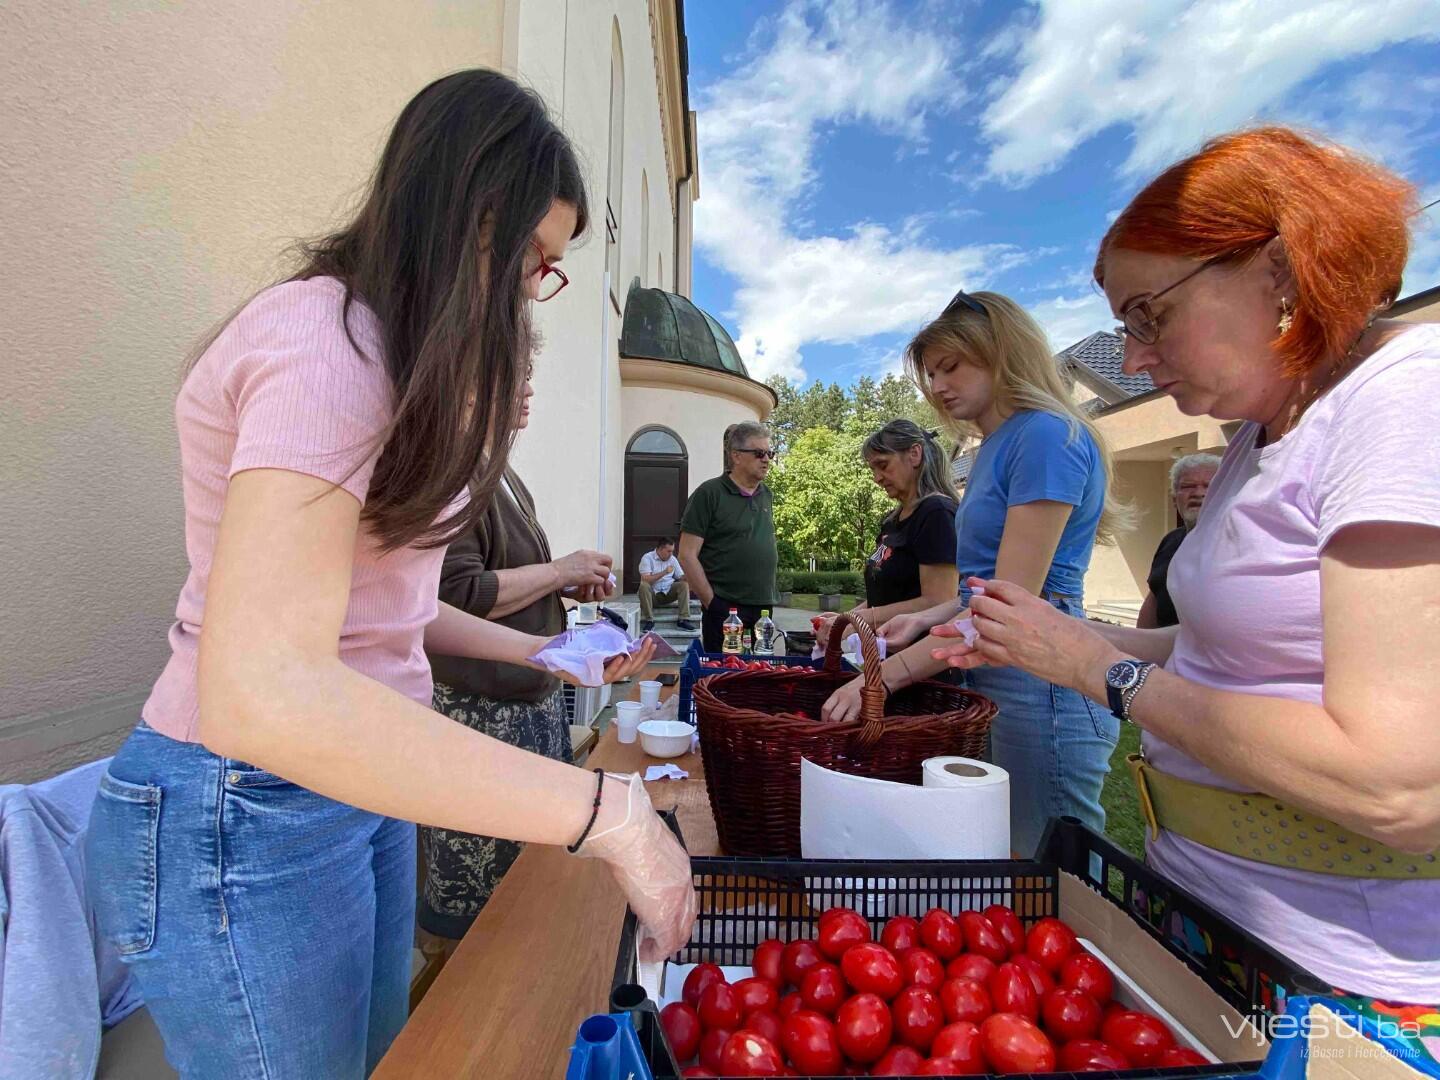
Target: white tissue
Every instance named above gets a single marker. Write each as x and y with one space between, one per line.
582 652
665 772
968 631
851 646
571 590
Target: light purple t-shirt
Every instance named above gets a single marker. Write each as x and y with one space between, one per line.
1246 583
282 387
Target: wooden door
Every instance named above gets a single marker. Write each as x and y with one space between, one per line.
656 488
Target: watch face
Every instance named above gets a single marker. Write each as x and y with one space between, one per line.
1122 675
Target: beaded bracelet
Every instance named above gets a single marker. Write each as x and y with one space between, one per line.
594 812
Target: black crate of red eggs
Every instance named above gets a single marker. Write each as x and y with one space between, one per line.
874 968
699 664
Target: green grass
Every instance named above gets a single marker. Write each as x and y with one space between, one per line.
1123 823
811 601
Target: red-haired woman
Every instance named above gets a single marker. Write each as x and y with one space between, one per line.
1292 721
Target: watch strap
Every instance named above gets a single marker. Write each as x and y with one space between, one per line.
1127 696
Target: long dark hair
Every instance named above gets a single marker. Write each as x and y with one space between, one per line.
897 437
437 252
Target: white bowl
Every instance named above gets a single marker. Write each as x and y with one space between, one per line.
666 738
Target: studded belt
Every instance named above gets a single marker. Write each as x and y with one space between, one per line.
1257 827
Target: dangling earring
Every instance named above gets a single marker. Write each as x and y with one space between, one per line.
1286 318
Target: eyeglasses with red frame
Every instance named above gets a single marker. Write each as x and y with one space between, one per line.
552 278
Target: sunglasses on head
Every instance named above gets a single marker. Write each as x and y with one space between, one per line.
965 300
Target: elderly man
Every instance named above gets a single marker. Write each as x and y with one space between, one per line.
1190 478
727 536
662 582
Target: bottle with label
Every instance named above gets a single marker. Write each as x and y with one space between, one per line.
765 635
731 629
747 642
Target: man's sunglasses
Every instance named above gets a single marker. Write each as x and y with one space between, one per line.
758 455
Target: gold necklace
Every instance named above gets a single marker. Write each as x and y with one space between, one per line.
1337 373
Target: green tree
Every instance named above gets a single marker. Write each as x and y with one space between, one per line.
826 504
866 402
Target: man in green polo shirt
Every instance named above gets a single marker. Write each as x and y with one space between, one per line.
727 536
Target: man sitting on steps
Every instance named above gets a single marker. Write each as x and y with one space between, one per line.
663 582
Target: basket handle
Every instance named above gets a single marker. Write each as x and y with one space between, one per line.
873 693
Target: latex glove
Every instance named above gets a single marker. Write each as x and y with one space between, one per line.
652 870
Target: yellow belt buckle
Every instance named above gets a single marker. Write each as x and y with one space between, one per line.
1136 764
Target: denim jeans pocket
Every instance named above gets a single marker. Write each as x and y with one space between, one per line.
122 846
1107 724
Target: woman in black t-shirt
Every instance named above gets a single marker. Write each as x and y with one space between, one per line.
913 565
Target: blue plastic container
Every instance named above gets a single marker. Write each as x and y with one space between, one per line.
607 1048
691 671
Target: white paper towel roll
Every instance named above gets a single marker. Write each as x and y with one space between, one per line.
949 772
961 812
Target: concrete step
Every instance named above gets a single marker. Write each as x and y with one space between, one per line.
1123 613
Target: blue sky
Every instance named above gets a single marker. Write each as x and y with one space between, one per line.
860 160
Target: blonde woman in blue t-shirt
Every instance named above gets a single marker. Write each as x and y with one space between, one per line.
1037 498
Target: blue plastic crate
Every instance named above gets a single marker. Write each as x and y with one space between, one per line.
691 671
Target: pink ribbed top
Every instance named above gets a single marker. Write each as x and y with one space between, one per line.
283 388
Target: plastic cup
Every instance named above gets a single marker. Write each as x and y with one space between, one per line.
628 715
650 694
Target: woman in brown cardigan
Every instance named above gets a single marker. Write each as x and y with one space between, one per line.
500 570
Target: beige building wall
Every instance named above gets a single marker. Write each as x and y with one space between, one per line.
1427 310
1146 437
698 415
158 158
572 455
1118 571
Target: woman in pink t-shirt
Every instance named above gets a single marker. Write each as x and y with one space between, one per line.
250 853
1249 279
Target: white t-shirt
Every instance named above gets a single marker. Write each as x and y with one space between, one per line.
650 563
1246 584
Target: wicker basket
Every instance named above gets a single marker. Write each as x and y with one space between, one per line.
755 726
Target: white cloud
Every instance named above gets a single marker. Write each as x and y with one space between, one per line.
813 66
1173 72
1068 319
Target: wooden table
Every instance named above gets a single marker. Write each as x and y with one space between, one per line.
539 959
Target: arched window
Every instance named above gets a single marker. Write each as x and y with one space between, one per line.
615 177
656 440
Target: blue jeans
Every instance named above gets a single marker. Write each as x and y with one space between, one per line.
269 928
1054 742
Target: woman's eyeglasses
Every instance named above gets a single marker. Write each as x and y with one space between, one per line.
758 455
552 278
1138 320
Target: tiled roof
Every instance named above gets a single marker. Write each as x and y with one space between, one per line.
1102 353
960 467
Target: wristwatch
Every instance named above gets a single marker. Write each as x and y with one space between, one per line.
1123 681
